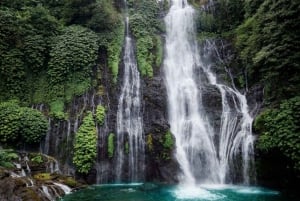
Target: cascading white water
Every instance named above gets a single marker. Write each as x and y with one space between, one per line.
236 123
129 120
202 158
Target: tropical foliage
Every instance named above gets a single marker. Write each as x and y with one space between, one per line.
21 124
280 129
146 27
85 147
100 114
6 158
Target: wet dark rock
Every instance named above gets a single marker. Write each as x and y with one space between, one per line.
255 97
212 102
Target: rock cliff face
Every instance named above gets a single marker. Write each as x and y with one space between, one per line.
160 162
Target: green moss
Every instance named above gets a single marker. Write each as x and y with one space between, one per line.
168 141
76 86
57 109
69 181
111 146
100 114
149 142
43 176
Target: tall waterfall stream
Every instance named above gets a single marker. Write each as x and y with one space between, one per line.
130 138
205 154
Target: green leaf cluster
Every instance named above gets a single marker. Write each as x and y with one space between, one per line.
268 42
6 158
21 124
168 141
280 129
100 114
85 147
73 51
38 158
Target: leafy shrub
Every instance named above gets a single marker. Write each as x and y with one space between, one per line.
280 129
100 114
21 123
74 51
168 141
57 109
6 157
37 159
34 125
10 122
85 147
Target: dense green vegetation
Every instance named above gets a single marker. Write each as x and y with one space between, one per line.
280 129
85 147
100 114
49 49
6 158
146 27
21 124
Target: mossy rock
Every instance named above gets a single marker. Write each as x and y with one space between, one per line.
69 181
44 176
31 195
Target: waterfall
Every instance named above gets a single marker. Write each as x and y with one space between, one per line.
65 188
205 154
130 138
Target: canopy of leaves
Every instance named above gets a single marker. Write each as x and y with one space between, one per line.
37 50
269 46
73 51
85 147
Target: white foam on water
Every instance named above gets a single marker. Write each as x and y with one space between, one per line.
196 193
216 186
255 190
